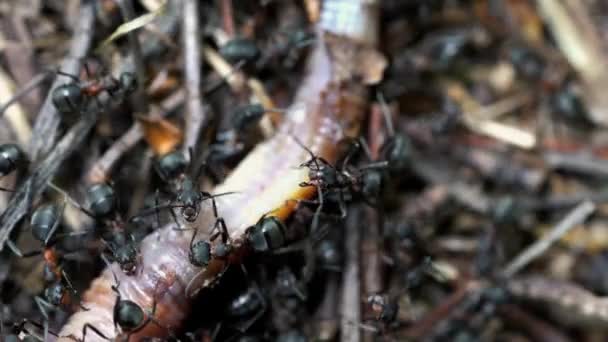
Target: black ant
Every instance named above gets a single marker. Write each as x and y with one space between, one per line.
397 149
267 234
44 223
103 205
11 158
172 168
70 97
201 252
240 49
127 315
364 181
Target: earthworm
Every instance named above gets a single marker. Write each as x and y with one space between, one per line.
328 107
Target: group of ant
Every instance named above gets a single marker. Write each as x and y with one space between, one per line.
342 182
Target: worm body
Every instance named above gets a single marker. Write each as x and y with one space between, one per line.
329 105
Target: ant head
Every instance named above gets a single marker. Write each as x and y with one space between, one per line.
126 257
44 219
101 199
190 209
397 151
240 49
68 98
222 250
11 156
323 175
55 293
200 253
245 117
329 254
128 315
266 235
171 165
371 184
128 82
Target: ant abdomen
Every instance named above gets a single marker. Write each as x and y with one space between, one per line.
11 157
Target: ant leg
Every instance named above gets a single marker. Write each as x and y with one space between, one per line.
72 201
95 330
222 230
156 204
55 225
174 216
71 288
375 165
11 245
193 237
317 215
313 158
342 205
63 73
43 305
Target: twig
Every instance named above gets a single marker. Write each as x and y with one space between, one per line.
351 292
577 162
126 9
574 218
31 84
538 329
16 116
197 115
21 201
47 122
327 312
568 302
101 168
227 17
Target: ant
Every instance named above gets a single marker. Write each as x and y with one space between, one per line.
397 149
267 234
240 49
70 97
11 158
44 223
127 315
365 181
103 206
201 252
172 169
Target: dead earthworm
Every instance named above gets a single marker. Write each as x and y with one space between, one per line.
329 106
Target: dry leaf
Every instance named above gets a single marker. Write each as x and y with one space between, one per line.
162 135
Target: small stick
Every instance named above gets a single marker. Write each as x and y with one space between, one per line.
128 14
196 112
575 217
31 84
44 134
227 18
351 292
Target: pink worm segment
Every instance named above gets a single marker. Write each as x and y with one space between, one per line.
265 180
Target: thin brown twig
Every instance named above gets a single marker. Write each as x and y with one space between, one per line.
196 113
575 217
44 134
351 289
128 14
101 168
228 18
